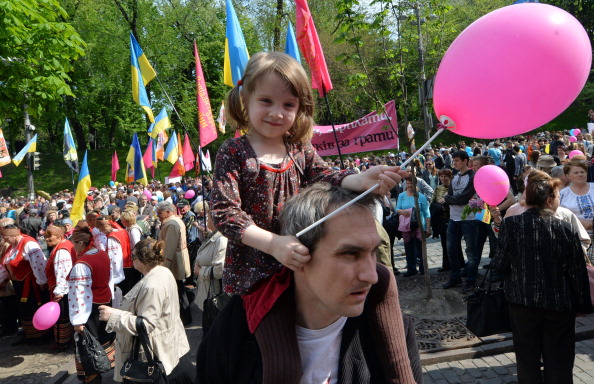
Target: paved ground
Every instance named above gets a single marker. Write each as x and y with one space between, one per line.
27 364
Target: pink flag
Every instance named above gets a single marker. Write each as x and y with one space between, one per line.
147 158
206 123
309 43
115 165
188 154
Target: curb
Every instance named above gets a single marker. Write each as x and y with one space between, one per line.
492 345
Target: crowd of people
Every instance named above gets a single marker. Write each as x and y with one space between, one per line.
304 309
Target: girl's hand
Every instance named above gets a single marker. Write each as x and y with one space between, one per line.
386 176
495 213
105 312
290 252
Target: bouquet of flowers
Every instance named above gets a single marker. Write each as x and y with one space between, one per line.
473 206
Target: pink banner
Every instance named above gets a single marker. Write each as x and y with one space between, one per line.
369 133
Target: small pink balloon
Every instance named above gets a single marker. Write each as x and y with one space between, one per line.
576 132
190 193
491 184
147 193
572 139
575 152
46 316
484 93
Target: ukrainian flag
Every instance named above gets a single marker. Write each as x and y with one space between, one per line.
141 69
236 53
161 123
291 47
30 147
69 151
134 159
84 184
171 152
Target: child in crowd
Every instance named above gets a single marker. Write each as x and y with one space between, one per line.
256 173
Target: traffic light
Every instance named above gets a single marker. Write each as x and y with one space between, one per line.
35 161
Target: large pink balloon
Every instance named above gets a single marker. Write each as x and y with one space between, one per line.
512 71
491 184
46 316
147 193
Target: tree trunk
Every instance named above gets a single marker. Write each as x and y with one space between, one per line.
277 25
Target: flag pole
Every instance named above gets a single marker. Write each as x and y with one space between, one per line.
332 123
72 176
335 212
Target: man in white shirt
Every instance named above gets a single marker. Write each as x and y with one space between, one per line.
312 325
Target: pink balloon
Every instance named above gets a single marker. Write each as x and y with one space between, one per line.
572 139
147 193
576 132
512 71
575 152
190 193
46 316
491 184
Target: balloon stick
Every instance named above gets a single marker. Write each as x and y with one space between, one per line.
331 214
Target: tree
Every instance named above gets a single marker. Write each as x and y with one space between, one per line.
37 49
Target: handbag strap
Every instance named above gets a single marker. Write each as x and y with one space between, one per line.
143 337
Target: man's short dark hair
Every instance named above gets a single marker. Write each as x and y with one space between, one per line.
314 203
462 155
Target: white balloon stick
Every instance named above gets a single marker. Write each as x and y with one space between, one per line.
403 165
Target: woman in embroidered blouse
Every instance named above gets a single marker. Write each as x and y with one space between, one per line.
88 287
58 267
578 196
154 298
542 262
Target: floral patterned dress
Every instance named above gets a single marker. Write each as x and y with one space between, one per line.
250 192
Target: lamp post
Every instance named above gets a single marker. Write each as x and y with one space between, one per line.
29 129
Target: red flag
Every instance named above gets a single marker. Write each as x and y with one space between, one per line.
309 43
115 166
187 154
206 123
147 158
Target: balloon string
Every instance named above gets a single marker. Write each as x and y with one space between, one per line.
440 129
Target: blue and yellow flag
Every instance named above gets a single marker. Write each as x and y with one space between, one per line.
291 47
171 152
161 123
141 70
84 184
135 162
236 53
70 155
30 147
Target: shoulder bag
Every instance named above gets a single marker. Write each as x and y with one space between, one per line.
90 353
213 305
590 270
487 310
136 371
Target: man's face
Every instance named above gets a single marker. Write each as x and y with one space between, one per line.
141 201
162 215
184 209
459 164
337 279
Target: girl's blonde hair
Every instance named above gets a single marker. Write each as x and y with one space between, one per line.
260 66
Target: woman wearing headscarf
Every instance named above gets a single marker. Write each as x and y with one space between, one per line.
546 284
88 288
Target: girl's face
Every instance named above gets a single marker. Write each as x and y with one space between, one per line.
271 108
577 175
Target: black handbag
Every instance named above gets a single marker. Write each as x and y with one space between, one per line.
90 353
136 371
487 309
213 305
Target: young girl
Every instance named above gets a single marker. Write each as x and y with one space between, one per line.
257 172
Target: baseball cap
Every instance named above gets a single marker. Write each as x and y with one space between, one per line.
182 203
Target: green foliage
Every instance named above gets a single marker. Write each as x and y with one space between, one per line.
37 49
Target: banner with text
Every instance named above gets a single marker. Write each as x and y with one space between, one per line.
369 133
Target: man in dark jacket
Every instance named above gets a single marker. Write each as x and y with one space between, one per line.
311 324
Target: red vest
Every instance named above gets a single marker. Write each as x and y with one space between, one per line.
18 267
99 264
122 237
49 267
